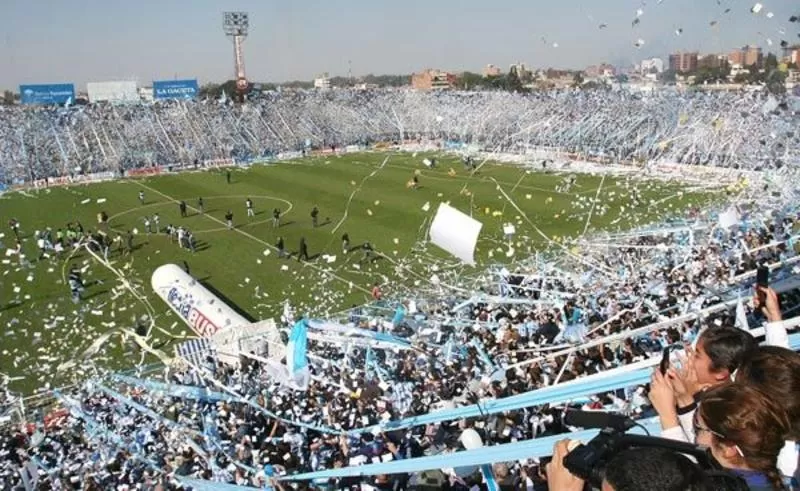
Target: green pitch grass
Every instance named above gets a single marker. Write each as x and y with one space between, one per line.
42 328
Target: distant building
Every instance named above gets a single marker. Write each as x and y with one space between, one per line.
683 62
492 71
653 65
713 62
792 54
747 56
736 58
323 82
520 69
753 56
433 80
601 71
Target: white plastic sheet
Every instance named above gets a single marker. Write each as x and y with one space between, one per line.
729 218
456 233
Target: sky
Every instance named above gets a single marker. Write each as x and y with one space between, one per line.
79 41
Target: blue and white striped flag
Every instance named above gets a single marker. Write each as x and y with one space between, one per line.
296 359
195 351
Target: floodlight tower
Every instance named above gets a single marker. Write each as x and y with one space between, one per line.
236 25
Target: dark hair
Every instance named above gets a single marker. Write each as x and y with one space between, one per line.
776 371
654 469
727 347
743 415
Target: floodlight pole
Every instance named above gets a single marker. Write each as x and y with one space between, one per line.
236 25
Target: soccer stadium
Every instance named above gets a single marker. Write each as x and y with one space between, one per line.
395 289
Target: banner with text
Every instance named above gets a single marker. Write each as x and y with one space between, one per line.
175 89
47 93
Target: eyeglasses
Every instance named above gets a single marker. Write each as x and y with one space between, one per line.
698 427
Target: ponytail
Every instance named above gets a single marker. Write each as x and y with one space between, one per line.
775 478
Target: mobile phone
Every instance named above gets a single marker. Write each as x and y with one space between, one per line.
670 357
664 366
762 276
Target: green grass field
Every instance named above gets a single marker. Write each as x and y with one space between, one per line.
43 328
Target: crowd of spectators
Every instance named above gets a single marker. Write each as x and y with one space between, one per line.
505 339
730 130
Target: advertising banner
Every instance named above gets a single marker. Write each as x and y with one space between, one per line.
144 171
115 92
175 89
47 94
219 163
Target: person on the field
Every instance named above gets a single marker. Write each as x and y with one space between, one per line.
228 176
276 218
181 235
345 243
281 248
119 243
75 285
250 211
141 197
315 216
147 225
42 244
182 207
303 254
14 225
156 221
200 205
368 251
229 219
191 242
377 294
129 243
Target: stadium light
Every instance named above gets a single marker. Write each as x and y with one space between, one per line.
237 25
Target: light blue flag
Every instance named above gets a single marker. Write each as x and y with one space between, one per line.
296 357
488 476
399 315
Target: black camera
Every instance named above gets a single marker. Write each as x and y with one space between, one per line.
588 461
